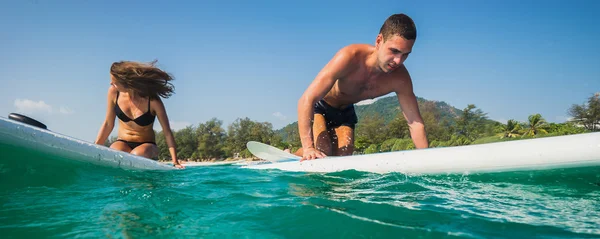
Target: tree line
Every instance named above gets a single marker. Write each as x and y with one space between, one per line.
378 133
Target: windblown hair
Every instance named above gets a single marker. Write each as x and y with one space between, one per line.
399 24
145 79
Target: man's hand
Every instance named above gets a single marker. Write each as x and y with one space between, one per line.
311 153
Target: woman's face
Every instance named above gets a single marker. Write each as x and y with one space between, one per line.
116 84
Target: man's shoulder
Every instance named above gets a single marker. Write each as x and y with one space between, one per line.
354 53
357 49
401 73
401 79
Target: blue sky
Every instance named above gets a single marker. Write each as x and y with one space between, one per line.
254 59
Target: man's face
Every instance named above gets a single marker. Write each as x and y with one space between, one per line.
393 52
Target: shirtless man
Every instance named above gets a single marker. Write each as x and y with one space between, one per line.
358 72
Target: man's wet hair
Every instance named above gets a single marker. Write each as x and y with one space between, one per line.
399 24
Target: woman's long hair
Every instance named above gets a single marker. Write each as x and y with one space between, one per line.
145 79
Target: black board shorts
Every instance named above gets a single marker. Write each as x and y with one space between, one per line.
336 117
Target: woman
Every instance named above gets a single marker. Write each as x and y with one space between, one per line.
134 97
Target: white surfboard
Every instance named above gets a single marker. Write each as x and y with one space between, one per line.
29 137
270 153
579 150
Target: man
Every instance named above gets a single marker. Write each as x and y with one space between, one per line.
358 72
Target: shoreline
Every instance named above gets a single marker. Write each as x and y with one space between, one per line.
212 162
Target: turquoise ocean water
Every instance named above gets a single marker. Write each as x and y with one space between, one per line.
41 197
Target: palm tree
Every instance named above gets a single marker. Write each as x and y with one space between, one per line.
537 125
512 129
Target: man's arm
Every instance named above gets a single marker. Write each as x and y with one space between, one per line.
410 110
335 69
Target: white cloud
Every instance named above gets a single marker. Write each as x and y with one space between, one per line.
27 106
66 110
366 102
563 118
280 116
501 120
177 125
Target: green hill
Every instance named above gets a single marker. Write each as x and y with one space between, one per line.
388 108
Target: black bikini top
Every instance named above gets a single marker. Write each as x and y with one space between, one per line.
144 120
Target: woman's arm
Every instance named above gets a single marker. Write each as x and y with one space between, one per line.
164 122
109 121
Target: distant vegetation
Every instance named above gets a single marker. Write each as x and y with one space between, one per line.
381 128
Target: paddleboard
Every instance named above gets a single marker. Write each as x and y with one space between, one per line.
35 136
580 150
